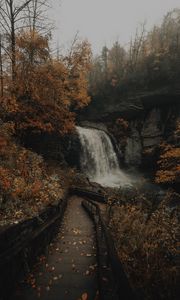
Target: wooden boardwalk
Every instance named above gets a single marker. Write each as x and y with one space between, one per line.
69 270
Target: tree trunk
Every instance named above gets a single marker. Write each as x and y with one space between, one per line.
13 43
1 69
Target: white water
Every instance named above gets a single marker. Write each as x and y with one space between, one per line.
98 159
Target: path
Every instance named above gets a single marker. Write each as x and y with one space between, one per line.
70 268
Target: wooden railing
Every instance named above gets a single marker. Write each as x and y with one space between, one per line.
20 244
113 281
88 194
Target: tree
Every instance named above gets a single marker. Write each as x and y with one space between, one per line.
10 18
1 68
96 76
117 60
50 90
104 58
78 63
136 47
36 16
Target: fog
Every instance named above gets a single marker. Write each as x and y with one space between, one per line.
104 21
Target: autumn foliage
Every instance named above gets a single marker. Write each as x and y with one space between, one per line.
25 185
43 97
145 233
169 162
47 90
170 165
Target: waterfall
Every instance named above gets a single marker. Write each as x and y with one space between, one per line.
98 159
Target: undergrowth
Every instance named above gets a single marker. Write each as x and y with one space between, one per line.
145 231
27 183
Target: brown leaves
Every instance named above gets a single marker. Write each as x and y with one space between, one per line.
9 104
169 164
23 179
84 296
143 238
52 86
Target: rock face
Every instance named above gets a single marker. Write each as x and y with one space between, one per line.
152 130
72 150
110 108
66 149
151 115
48 145
133 148
150 121
150 124
147 132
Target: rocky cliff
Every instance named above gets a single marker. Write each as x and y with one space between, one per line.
152 118
146 132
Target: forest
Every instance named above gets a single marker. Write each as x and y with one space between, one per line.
149 62
102 129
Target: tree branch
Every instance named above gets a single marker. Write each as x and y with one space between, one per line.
19 9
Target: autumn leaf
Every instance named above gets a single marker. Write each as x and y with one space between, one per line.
84 296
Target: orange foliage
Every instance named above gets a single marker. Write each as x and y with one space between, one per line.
146 238
37 185
24 181
4 178
43 96
169 163
9 104
47 89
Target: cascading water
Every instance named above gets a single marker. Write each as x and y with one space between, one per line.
98 160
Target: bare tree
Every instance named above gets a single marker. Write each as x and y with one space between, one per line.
104 59
11 14
1 68
117 60
37 21
135 47
36 16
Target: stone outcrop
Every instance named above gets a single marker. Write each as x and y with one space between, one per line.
152 130
151 117
147 132
133 148
72 150
65 150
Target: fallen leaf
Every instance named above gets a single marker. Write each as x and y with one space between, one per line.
55 278
87 272
73 266
84 296
105 279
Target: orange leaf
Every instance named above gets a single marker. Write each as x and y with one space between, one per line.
84 296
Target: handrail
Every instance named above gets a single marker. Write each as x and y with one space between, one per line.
27 231
121 284
90 194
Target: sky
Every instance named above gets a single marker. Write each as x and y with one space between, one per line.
104 21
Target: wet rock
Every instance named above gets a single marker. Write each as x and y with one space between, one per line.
72 150
152 129
133 148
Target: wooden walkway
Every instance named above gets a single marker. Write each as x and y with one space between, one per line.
69 270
